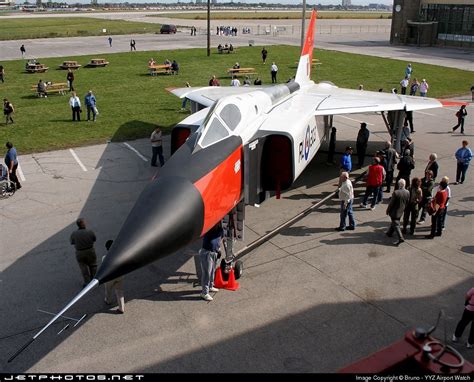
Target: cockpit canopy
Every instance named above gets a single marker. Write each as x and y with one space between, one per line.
229 116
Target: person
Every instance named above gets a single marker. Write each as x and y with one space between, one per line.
436 209
11 161
409 120
235 81
264 55
110 41
466 319
408 71
361 87
157 146
461 115
231 48
8 110
236 66
472 93
132 45
405 132
433 165
404 85
214 81
406 164
346 196
424 88
83 240
427 184
375 176
395 209
274 71
2 74
463 156
332 146
211 244
115 285
346 160
185 99
151 62
91 105
175 67
411 209
22 50
414 87
219 48
257 81
167 62
391 156
247 81
70 79
361 144
41 89
75 104
448 191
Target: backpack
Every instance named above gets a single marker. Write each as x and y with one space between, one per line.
458 114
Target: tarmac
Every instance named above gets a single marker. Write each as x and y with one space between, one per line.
310 300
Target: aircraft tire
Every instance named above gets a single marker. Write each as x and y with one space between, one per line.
238 269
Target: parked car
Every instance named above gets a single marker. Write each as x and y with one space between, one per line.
168 28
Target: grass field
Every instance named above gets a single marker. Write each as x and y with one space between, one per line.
275 15
18 29
131 102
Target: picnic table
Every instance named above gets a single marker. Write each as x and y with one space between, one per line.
160 69
97 62
314 62
36 68
70 65
241 71
51 88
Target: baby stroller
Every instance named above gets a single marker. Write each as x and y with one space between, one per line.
7 187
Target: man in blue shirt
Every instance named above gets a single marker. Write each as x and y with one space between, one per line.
463 157
211 244
11 162
91 103
346 160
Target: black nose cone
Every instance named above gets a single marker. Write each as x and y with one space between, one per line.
168 215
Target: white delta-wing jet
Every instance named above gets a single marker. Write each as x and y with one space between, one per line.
240 145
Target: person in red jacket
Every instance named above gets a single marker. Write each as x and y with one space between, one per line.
375 177
438 204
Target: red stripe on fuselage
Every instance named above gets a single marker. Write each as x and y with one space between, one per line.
221 189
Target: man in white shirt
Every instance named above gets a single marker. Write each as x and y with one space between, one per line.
274 72
157 147
235 82
346 196
404 85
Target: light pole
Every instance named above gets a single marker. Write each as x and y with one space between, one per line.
208 28
303 24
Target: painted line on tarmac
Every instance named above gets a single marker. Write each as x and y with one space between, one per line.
20 172
355 120
136 152
422 112
74 155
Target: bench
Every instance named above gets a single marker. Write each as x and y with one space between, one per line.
97 62
58 87
36 68
160 69
70 65
242 71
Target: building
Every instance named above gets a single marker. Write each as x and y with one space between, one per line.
433 23
7 3
94 3
346 3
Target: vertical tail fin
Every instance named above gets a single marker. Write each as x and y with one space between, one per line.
303 74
